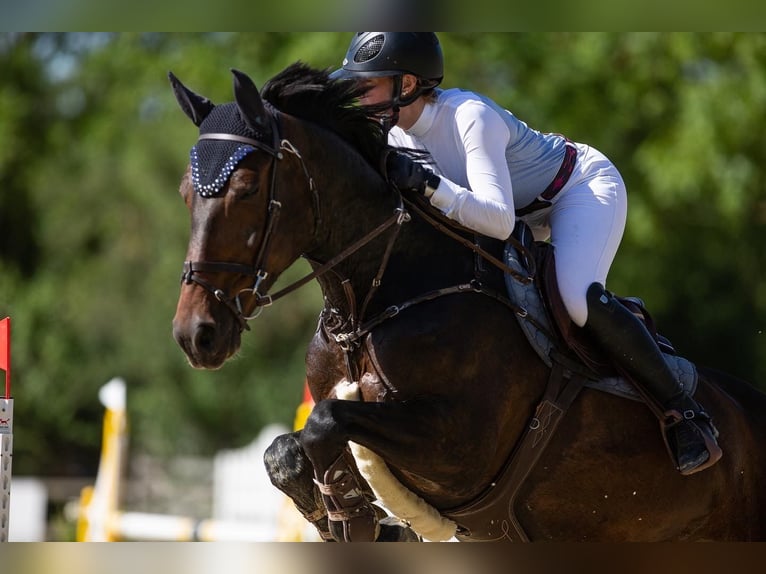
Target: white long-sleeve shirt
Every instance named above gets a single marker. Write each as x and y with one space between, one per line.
491 162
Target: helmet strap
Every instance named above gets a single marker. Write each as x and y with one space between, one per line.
397 95
397 102
393 119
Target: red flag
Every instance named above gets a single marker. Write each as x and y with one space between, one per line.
5 353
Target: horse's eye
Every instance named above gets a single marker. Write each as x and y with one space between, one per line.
243 183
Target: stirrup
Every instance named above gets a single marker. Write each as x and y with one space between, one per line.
347 504
698 422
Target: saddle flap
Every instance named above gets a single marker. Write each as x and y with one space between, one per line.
545 304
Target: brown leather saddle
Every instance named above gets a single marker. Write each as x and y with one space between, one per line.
569 334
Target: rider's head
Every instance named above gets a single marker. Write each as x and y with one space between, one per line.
413 61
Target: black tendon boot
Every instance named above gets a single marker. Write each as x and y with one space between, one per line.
688 430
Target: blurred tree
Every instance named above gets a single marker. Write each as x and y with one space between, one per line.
24 103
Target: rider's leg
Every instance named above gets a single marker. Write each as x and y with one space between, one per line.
587 223
691 435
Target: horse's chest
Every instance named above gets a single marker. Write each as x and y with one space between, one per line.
328 365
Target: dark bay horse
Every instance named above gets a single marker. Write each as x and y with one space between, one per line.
447 380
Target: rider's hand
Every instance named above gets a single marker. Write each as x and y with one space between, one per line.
408 175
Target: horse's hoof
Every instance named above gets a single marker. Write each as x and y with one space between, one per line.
394 530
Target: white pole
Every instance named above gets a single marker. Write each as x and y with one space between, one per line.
6 458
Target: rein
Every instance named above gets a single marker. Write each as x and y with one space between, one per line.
348 339
445 229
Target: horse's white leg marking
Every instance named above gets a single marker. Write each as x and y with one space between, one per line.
401 502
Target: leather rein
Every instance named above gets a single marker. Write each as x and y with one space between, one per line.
193 269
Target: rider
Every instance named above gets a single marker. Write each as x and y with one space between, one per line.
486 167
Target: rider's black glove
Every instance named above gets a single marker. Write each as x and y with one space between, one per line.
409 175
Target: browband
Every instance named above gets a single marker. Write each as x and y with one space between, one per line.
241 139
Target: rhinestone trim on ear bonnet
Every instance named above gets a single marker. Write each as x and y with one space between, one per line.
213 161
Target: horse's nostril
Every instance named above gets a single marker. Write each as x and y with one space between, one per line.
204 337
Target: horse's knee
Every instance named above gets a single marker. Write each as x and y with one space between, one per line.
286 463
322 432
290 470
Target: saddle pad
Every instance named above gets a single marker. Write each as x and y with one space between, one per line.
528 297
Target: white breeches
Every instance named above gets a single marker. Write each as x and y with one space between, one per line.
585 224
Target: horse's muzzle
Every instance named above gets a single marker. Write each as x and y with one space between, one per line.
205 343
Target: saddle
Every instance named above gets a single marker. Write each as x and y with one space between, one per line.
551 332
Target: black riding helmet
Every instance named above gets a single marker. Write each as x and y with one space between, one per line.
376 54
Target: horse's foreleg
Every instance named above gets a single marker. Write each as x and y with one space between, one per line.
392 430
290 470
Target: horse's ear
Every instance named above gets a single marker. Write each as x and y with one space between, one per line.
193 105
249 102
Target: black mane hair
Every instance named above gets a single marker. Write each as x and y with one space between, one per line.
309 94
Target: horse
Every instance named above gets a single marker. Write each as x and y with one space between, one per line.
418 360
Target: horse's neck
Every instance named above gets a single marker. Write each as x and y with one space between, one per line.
421 259
354 200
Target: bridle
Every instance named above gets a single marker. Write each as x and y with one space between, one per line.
258 271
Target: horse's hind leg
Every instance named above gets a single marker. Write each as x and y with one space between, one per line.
290 470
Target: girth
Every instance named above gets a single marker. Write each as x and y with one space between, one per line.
492 515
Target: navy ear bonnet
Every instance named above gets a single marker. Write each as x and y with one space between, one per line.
213 161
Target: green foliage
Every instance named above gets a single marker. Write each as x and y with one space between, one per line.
93 232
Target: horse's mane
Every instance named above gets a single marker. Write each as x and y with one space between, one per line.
309 94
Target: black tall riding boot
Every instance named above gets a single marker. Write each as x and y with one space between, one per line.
689 432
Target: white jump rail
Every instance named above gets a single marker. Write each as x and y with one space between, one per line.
99 518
